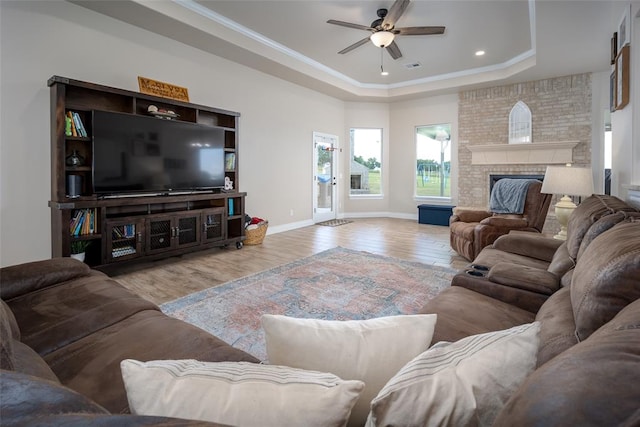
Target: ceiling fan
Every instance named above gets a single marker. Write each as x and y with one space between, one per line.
384 31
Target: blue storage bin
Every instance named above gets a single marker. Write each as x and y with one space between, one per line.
434 214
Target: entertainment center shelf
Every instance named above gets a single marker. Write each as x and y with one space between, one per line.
132 225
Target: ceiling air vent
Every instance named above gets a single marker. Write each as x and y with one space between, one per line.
411 65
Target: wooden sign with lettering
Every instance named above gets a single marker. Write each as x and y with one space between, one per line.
165 90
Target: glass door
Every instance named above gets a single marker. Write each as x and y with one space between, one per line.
324 176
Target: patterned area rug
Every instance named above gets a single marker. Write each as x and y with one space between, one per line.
337 284
334 222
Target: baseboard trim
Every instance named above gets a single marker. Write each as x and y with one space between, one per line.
299 224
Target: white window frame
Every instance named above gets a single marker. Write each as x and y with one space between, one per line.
365 195
520 124
452 163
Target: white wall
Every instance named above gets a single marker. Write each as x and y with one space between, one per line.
41 39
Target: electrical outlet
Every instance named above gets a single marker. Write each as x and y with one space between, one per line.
291 212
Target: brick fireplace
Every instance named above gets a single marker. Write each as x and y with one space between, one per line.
561 117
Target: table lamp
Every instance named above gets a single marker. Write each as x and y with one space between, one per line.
566 180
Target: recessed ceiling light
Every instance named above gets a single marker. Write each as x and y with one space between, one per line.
480 53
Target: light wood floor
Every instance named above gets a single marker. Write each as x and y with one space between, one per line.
171 278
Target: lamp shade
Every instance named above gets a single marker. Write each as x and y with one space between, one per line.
382 38
568 180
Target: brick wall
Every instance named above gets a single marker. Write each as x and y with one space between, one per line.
560 109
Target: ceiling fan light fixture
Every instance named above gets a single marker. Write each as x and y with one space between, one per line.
382 38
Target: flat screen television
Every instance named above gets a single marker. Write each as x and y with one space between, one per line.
137 154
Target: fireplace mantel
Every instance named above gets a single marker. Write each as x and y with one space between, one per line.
519 154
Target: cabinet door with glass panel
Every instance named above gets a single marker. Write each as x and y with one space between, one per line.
213 225
124 239
165 232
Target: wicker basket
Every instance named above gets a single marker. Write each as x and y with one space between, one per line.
256 235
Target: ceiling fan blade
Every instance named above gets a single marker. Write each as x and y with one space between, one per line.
394 50
396 11
419 31
350 25
355 45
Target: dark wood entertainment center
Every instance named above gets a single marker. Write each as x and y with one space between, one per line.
134 227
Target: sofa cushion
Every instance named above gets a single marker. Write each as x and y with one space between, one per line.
561 263
9 320
60 315
524 277
21 279
463 383
606 278
478 281
91 365
490 256
527 244
557 327
8 327
27 396
589 211
594 383
242 393
27 361
603 224
371 350
463 312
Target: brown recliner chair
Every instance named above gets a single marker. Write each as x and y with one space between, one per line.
473 229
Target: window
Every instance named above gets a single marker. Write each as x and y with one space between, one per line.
520 124
366 162
433 161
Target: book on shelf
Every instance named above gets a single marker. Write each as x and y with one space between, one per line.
127 231
74 131
83 222
77 127
230 161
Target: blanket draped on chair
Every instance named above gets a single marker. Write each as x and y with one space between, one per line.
508 195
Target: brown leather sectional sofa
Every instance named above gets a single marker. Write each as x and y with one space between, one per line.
585 294
65 328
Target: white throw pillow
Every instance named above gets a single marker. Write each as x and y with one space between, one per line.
465 383
238 393
370 350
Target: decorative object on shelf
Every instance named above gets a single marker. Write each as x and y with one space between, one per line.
230 162
74 186
566 180
162 113
74 159
228 184
165 90
622 77
78 248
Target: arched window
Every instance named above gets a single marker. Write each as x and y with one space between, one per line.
520 124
